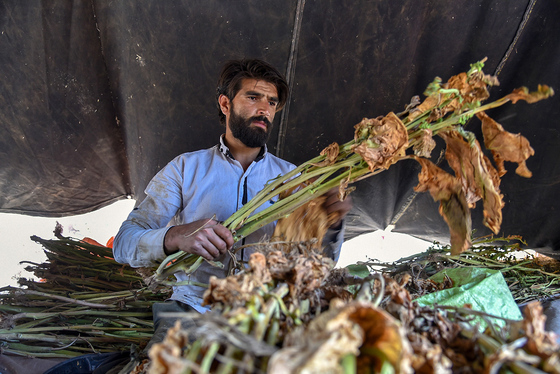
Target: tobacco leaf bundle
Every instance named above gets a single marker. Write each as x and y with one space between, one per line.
381 142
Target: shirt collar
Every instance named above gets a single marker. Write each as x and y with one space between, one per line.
225 150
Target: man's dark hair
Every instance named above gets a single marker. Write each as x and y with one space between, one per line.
234 71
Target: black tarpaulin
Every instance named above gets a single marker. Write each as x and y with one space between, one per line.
97 96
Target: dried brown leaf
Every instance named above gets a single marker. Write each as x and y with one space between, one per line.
522 93
237 289
166 357
309 221
506 146
356 328
478 177
382 334
425 144
331 153
471 87
540 342
381 142
446 189
429 104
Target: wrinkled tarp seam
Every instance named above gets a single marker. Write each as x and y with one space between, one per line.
520 29
126 172
290 72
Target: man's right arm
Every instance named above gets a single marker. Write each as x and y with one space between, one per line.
139 242
145 239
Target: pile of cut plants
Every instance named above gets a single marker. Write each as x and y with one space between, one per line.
291 311
81 301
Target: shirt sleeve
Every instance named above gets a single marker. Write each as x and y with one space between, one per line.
139 242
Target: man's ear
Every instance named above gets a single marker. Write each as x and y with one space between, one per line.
225 104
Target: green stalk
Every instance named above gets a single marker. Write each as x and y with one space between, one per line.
208 359
189 265
66 299
492 346
192 355
227 363
236 218
25 353
349 364
20 330
294 201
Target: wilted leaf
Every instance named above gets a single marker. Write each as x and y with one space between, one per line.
309 221
425 144
522 93
166 357
303 272
383 338
540 342
236 290
331 153
343 330
381 142
320 347
478 178
472 88
429 104
446 189
506 146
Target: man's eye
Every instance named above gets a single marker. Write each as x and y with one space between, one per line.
273 103
252 98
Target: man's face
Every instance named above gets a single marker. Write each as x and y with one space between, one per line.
252 112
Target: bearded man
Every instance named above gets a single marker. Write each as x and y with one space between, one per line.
188 198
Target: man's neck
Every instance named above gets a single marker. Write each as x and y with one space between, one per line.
240 151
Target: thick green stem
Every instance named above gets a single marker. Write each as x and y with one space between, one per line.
291 203
264 194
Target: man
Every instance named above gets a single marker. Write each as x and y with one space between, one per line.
182 199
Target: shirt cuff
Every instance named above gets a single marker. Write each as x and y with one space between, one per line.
151 244
332 242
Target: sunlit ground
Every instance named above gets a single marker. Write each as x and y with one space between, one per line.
16 230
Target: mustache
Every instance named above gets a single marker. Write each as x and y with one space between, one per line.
262 119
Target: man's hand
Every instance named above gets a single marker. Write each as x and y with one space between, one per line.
333 204
205 237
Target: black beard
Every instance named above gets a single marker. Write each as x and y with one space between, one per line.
252 137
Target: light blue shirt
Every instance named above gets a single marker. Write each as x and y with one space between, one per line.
194 186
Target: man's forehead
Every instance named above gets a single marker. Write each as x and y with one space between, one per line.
259 86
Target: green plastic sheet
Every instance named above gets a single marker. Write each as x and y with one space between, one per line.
485 290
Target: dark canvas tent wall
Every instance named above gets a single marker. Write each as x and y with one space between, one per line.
97 95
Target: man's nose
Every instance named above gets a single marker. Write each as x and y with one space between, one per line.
264 110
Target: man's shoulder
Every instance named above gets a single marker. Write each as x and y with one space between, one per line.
280 162
198 154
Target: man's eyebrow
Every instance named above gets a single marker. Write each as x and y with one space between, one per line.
255 93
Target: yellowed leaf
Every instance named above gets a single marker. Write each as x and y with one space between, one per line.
478 178
446 189
381 142
522 93
506 146
425 144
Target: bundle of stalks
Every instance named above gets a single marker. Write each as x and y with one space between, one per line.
409 135
530 276
83 302
291 312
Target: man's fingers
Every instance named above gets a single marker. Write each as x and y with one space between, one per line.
224 234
